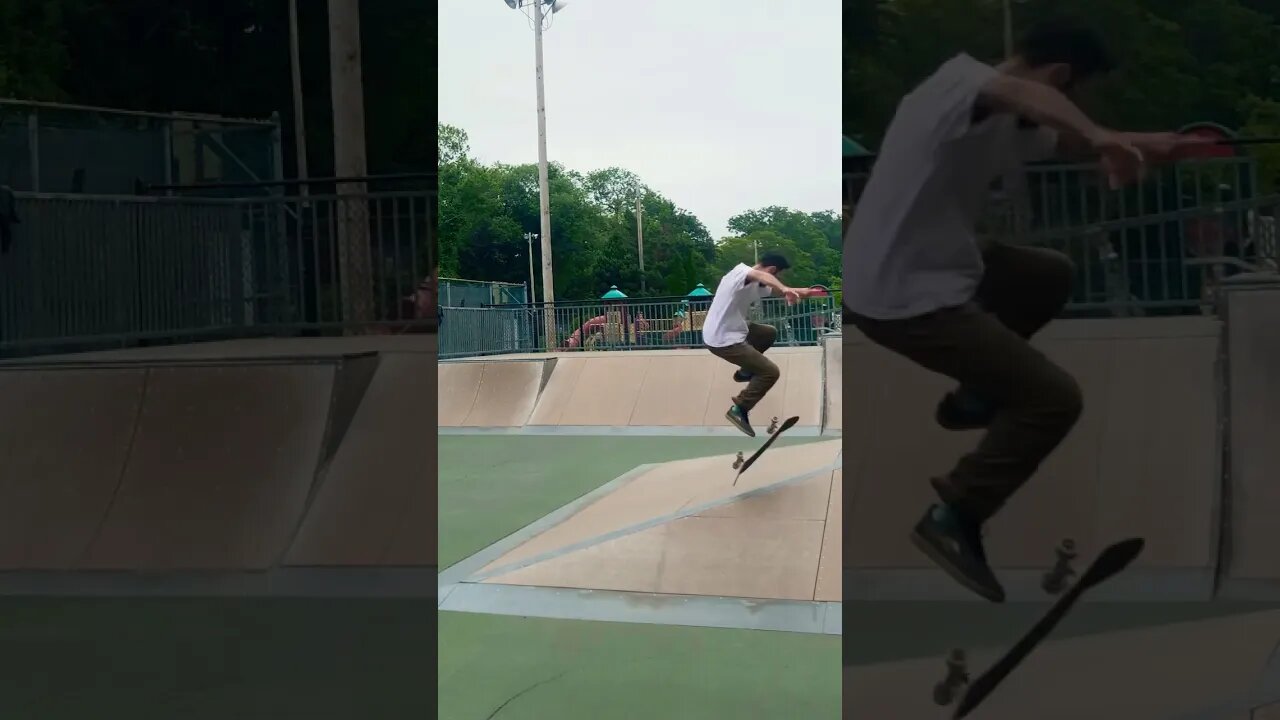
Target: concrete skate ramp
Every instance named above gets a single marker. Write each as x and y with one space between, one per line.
376 505
833 376
1170 672
488 394
1144 460
176 461
683 528
1253 315
250 349
672 388
221 464
64 441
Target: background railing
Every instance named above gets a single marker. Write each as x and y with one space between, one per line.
618 325
1160 247
87 272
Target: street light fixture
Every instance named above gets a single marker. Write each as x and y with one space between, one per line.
544 200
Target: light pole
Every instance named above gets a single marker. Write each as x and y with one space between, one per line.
544 199
528 239
640 239
299 124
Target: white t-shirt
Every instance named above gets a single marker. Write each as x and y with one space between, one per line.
910 248
726 321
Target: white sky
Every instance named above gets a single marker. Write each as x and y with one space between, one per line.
722 106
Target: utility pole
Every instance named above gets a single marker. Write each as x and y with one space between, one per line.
640 239
299 123
544 192
350 160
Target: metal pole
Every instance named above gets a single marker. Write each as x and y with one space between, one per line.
33 149
528 238
299 123
1008 29
640 239
544 199
355 262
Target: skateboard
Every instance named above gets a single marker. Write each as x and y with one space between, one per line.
1109 563
786 425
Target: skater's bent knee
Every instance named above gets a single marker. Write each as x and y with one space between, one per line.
1063 401
769 371
765 333
1059 275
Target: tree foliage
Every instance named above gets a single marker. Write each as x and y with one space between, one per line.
486 210
1180 62
226 57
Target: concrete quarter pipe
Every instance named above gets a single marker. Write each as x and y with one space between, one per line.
640 392
229 467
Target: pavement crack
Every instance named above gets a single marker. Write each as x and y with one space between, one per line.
509 700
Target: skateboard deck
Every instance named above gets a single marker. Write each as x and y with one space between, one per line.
786 425
1109 563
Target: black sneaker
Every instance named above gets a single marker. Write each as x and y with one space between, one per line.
955 544
742 376
738 417
963 410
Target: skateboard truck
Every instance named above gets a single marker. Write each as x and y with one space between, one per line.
737 463
773 425
1055 581
944 693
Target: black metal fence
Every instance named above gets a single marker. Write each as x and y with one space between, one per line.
92 271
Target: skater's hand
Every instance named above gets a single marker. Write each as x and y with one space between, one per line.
792 295
1122 161
1167 146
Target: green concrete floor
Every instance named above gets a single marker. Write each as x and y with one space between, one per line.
213 659
512 668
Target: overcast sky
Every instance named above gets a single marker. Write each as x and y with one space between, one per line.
722 106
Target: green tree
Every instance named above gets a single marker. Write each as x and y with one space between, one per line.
485 211
33 52
1179 62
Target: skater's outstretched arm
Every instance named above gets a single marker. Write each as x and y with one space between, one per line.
1046 105
768 280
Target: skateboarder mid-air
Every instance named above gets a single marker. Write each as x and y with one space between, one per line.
917 282
729 334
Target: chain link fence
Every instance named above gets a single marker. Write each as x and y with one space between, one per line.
457 293
57 148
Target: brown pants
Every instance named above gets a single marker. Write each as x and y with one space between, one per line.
749 356
984 346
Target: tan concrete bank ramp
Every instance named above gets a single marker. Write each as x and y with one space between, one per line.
215 459
678 543
1144 460
1205 670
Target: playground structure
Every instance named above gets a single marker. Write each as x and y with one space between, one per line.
613 328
